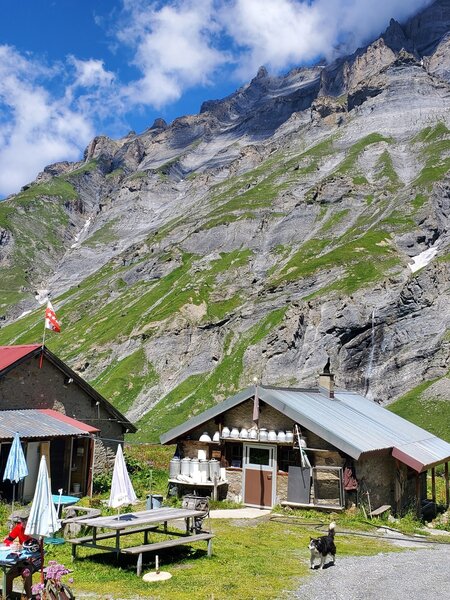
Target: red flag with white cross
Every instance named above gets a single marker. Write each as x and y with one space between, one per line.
51 322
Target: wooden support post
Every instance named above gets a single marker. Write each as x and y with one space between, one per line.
215 487
433 484
447 489
210 547
139 565
418 495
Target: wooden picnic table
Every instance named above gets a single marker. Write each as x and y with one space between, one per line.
121 526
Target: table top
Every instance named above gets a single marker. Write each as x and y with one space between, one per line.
64 500
134 519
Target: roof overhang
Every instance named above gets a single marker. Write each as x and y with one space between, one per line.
423 455
40 424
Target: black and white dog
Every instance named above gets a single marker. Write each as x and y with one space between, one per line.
323 546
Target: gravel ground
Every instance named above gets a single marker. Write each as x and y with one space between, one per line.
415 574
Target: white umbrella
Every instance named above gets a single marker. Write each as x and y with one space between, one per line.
122 491
16 465
43 520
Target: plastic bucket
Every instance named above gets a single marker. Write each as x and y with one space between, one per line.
153 501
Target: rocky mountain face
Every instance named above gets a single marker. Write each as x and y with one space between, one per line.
300 218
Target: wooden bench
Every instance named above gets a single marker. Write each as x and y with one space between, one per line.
184 539
107 536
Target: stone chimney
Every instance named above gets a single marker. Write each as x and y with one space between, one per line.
326 381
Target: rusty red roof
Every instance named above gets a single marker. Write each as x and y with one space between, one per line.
11 354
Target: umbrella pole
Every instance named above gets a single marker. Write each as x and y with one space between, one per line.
41 547
13 498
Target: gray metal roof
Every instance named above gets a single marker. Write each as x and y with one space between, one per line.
350 422
35 423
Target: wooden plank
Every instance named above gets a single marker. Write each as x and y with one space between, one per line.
379 511
187 539
447 487
106 536
155 515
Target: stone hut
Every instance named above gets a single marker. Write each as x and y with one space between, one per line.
56 413
313 448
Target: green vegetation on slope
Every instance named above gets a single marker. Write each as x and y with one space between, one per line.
435 147
353 153
199 392
36 221
122 381
364 260
431 413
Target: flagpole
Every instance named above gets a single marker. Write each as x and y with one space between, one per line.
43 342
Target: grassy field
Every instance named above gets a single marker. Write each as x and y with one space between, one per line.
252 559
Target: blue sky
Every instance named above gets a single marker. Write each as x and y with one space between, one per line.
74 69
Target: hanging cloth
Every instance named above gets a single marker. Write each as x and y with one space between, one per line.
350 481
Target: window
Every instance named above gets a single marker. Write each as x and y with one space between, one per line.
233 455
259 456
287 457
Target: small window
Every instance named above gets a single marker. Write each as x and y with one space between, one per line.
287 457
233 455
259 456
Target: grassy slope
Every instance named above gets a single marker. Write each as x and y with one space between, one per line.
433 414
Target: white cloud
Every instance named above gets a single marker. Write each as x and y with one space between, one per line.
38 129
284 32
174 49
90 73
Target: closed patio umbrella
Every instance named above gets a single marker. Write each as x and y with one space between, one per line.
16 466
43 520
122 491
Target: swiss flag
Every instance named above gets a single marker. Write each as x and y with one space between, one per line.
51 321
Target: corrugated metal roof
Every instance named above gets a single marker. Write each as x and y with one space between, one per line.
36 423
10 354
348 421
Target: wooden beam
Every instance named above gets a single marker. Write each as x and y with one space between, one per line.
418 495
447 489
433 484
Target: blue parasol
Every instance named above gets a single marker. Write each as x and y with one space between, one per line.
16 466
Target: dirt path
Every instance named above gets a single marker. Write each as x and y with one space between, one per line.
417 574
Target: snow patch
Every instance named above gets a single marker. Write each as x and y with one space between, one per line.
422 259
26 312
41 296
82 232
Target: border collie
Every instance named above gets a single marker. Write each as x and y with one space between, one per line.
323 546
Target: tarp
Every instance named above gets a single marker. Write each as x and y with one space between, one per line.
122 491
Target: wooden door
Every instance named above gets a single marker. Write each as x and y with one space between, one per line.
259 475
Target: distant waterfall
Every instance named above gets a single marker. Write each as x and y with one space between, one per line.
368 373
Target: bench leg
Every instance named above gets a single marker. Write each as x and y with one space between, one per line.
210 547
74 551
139 565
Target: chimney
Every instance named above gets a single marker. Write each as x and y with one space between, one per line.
326 381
